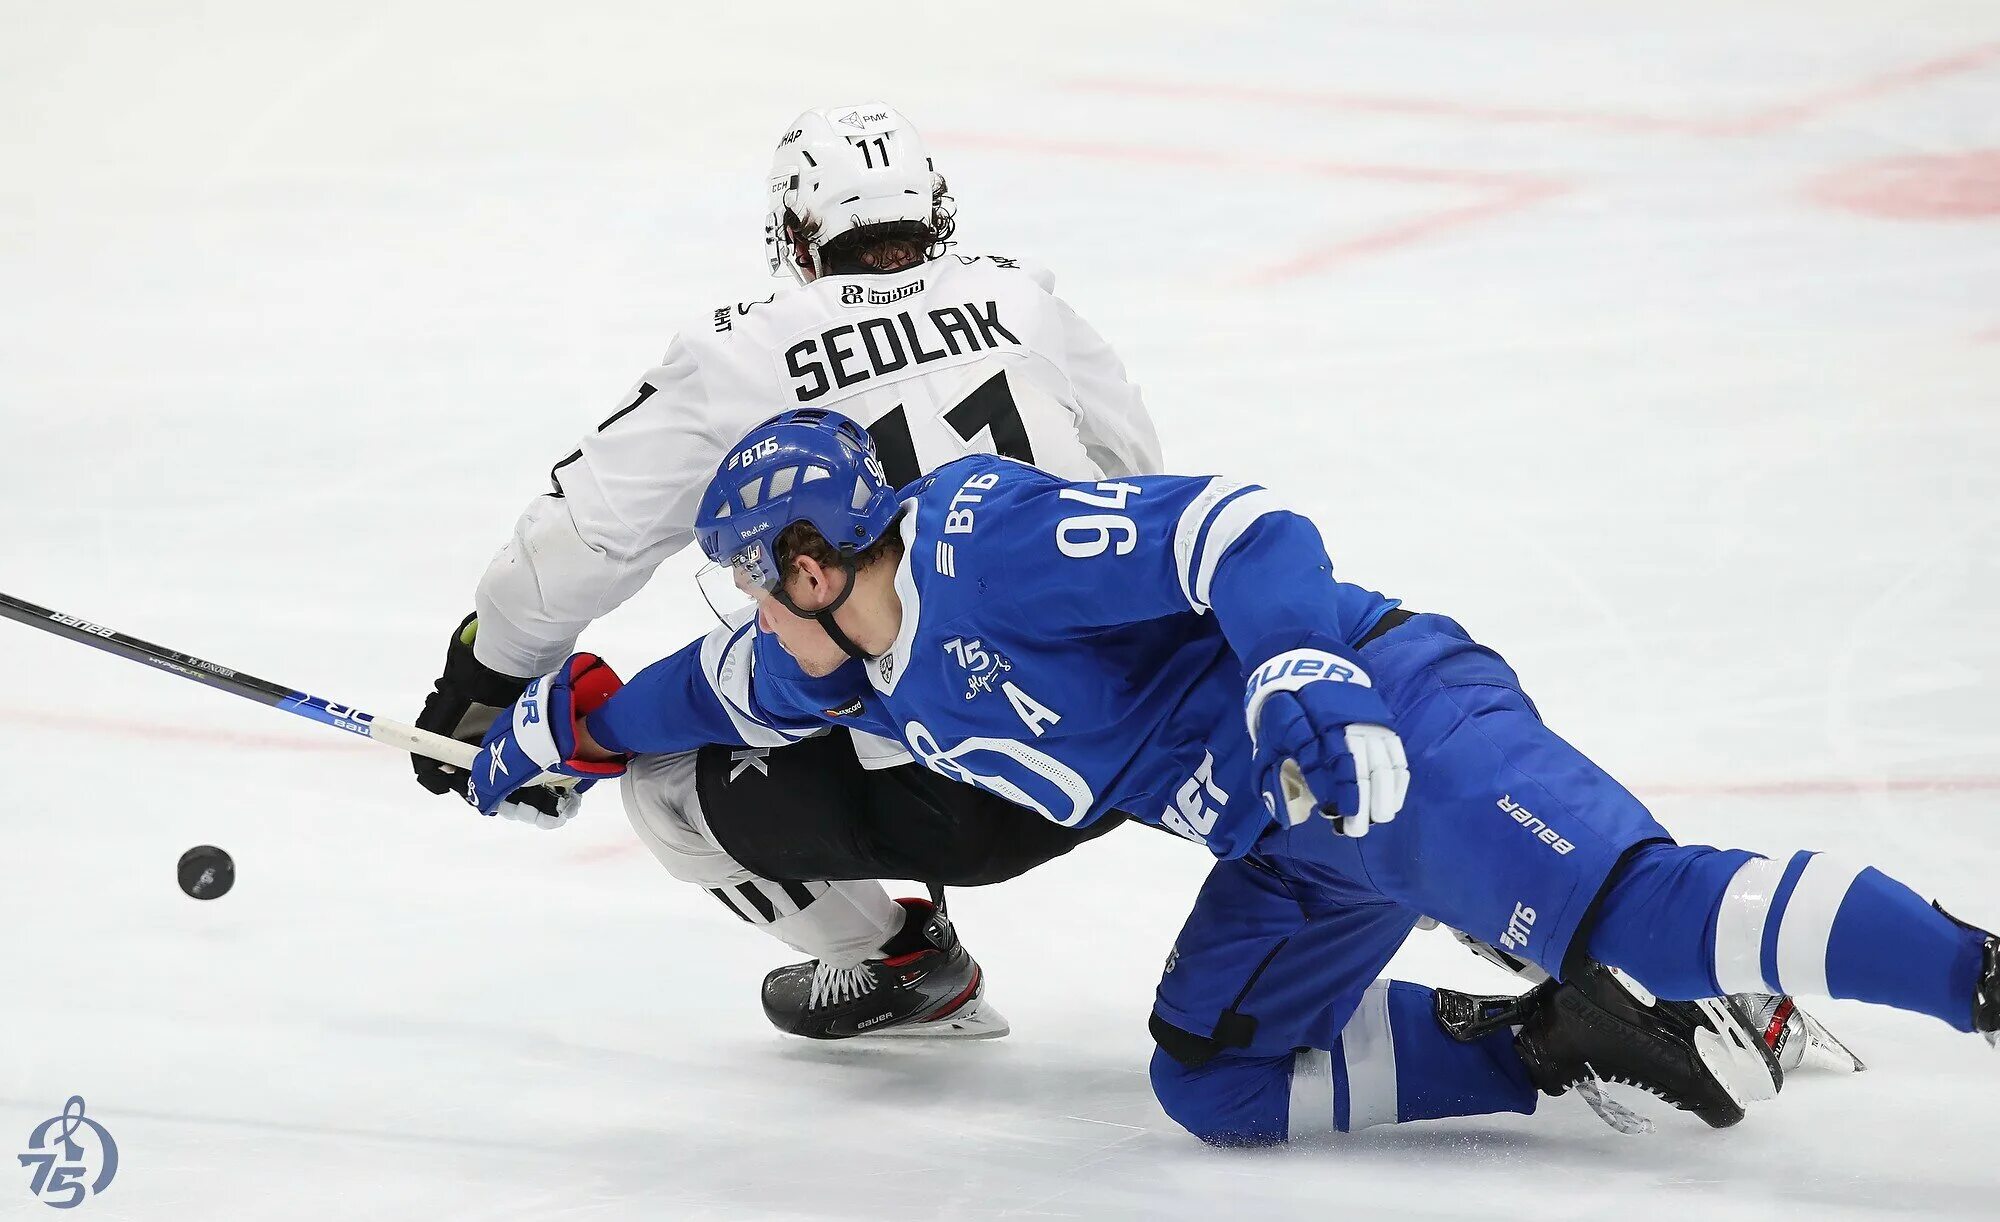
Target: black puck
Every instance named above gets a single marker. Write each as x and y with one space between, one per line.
207 873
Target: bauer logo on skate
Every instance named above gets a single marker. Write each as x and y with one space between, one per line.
1533 822
72 1158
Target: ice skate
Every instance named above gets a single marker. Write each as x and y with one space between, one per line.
1601 1027
1701 1056
926 986
1796 1038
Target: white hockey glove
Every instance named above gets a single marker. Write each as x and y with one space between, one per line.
1322 740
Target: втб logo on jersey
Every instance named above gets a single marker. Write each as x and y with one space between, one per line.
1533 822
983 666
1519 926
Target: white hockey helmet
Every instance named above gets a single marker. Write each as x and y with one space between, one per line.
841 167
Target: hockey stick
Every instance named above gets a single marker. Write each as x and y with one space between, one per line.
263 691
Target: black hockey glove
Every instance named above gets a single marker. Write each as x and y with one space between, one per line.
463 704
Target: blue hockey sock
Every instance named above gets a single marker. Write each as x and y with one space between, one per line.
1392 1063
1691 921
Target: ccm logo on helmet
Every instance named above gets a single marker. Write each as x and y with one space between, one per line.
751 453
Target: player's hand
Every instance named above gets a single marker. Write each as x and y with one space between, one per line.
463 704
1321 736
539 734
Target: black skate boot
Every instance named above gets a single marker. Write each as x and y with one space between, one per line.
1600 1027
924 985
1796 1038
1985 994
1986 1002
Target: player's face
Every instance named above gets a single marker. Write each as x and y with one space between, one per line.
810 587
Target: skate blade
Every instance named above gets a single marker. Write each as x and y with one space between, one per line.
1822 1049
978 1021
1735 1055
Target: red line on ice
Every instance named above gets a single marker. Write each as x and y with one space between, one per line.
89 724
1501 193
1813 105
154 731
1756 121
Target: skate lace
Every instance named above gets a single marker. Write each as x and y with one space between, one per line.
1609 1110
1590 1084
833 985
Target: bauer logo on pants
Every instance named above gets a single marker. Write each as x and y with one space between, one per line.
72 1157
1533 822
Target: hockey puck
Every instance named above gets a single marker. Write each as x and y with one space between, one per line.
207 873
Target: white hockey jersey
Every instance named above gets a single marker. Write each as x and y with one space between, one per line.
962 354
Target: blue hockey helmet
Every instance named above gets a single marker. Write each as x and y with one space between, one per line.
806 465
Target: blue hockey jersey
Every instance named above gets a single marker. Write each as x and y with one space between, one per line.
1075 648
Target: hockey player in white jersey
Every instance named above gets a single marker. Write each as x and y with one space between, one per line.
926 347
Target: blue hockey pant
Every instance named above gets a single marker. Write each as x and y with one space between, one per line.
1514 836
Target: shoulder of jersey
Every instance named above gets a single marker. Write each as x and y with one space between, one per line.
968 528
1040 276
724 322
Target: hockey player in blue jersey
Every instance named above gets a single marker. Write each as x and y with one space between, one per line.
1179 649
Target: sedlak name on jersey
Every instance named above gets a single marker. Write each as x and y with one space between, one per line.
852 353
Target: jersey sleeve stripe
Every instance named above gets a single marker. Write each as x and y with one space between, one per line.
1191 530
1204 537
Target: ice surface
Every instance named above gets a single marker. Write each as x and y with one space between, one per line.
1592 325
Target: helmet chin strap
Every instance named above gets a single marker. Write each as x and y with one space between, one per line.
824 616
847 645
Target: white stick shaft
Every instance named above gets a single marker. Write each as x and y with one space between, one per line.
438 747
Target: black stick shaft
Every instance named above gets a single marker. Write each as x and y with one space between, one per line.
250 687
83 632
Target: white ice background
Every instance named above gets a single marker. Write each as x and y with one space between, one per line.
1549 312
